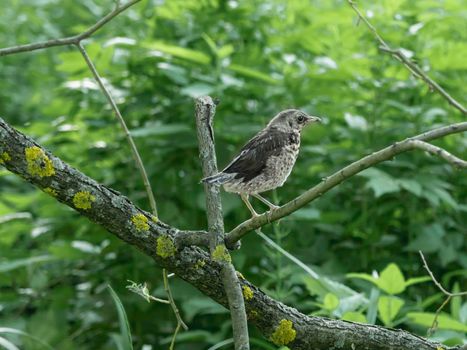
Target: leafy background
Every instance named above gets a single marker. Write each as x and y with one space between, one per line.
258 58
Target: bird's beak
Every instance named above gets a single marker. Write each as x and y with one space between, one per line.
313 119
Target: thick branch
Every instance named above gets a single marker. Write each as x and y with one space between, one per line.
205 110
407 62
122 218
72 40
341 175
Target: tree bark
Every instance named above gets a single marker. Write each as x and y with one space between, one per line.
282 324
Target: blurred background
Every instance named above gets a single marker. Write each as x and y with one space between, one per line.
257 58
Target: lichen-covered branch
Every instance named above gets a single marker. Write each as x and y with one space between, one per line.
72 40
350 170
117 214
205 111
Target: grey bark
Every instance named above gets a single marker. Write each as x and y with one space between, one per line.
205 111
113 211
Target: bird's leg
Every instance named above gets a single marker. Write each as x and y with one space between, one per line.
248 204
265 201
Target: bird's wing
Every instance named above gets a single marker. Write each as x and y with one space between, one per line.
253 156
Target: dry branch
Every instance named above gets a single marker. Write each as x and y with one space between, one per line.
205 111
350 170
72 40
115 212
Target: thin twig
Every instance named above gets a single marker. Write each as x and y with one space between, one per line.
407 62
180 322
338 177
441 288
134 150
72 40
438 151
449 295
142 290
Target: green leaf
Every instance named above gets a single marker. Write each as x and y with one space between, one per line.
179 52
444 321
125 332
456 302
252 73
155 129
330 302
380 182
24 334
388 307
354 316
416 280
391 280
14 264
8 345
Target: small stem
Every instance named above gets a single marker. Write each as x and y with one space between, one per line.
134 150
72 40
409 64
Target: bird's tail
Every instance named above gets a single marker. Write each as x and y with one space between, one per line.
218 179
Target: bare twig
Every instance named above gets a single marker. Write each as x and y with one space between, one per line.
72 40
338 177
134 150
205 110
449 295
438 151
142 290
180 322
407 62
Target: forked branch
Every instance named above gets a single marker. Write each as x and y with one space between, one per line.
417 142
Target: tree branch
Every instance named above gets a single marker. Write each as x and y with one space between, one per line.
72 40
205 110
407 62
345 173
134 150
119 216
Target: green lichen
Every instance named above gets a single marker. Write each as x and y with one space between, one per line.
83 200
140 222
247 293
220 253
199 264
284 333
4 157
154 219
165 247
38 162
252 315
50 191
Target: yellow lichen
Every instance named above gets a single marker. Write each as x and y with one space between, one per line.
240 275
165 247
4 157
220 253
253 314
50 191
38 162
154 219
284 333
247 293
199 264
83 200
141 222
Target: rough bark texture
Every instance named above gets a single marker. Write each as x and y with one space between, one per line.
120 217
205 111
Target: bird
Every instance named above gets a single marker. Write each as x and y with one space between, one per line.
266 160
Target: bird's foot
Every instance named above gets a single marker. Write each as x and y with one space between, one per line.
271 211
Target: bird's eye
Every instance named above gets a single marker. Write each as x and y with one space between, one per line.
301 118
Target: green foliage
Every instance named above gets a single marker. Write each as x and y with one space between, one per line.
257 58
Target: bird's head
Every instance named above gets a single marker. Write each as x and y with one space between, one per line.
292 120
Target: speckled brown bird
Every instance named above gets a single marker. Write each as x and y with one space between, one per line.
265 162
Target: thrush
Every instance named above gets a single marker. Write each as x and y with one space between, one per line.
266 161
